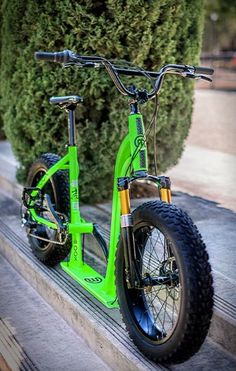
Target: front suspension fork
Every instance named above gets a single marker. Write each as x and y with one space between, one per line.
165 189
132 273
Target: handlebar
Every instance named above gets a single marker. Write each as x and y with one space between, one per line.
59 57
69 58
204 70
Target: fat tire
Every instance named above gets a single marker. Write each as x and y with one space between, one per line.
54 253
196 311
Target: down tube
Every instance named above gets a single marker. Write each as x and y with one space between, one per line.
121 166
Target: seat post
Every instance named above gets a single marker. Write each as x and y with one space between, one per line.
69 103
71 125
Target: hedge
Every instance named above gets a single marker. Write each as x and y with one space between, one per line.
1 113
148 33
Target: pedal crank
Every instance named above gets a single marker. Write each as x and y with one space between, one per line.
42 203
50 241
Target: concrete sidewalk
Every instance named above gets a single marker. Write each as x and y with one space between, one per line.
206 173
207 167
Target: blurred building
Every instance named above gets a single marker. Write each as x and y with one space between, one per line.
219 42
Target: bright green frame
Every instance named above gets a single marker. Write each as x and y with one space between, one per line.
103 288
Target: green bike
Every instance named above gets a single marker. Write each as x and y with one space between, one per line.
158 271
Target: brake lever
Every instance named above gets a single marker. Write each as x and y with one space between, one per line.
190 75
70 64
196 76
82 65
204 78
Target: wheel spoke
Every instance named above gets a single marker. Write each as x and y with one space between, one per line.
161 302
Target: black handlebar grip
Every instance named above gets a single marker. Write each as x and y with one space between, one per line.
59 57
204 70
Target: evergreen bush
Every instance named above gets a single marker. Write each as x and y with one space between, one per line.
1 122
148 33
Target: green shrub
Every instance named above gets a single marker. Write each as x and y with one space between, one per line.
1 122
148 33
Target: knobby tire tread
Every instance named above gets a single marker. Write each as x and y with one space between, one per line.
198 274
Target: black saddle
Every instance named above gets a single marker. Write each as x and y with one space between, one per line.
67 101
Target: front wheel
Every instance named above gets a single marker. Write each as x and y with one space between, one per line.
168 317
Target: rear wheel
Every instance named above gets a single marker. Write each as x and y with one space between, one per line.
58 189
168 320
